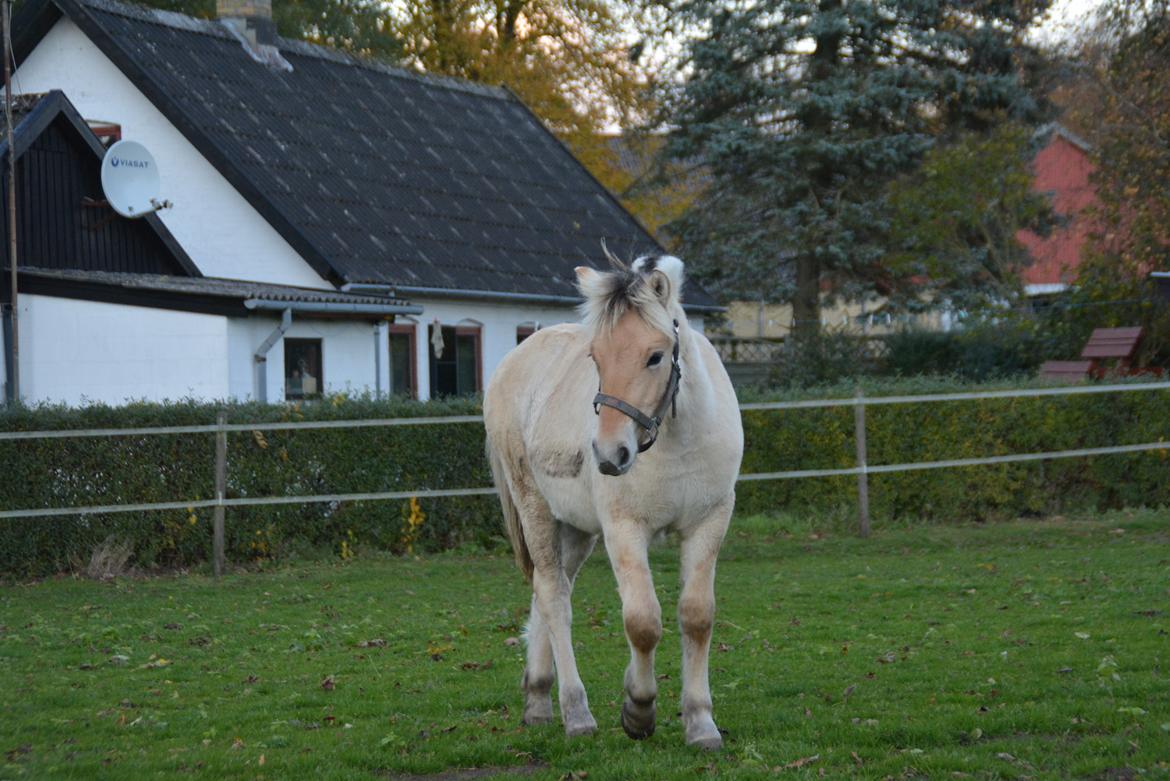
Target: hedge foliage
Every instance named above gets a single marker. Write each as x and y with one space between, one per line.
132 469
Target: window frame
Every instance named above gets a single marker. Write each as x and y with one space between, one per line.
410 330
472 330
475 331
320 342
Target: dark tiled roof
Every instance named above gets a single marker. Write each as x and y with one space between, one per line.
215 287
374 174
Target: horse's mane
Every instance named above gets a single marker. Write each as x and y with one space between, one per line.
609 295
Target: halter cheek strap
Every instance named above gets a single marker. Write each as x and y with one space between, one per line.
649 423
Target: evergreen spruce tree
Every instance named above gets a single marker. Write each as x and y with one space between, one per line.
803 112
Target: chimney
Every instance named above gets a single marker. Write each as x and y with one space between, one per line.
250 19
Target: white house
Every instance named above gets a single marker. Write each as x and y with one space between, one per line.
337 224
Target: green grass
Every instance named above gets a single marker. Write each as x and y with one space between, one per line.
1024 650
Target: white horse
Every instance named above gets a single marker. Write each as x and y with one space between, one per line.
566 475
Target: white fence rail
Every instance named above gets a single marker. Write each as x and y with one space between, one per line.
861 471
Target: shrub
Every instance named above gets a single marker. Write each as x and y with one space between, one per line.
979 353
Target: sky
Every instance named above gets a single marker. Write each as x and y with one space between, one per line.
1064 18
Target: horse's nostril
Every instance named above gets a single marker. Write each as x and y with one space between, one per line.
623 455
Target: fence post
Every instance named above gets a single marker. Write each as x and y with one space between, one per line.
220 490
862 475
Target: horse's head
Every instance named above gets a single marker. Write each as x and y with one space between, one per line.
633 315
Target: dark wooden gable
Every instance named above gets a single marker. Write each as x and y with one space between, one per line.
62 219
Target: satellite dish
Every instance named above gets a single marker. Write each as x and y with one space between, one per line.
130 180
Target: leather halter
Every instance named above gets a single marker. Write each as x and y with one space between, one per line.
650 423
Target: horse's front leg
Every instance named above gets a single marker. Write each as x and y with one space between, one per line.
627 543
696 617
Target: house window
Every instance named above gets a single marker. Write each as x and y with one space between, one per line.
456 370
302 369
403 361
524 330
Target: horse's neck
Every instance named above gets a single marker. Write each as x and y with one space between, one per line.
694 393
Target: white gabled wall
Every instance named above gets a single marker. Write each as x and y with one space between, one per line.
221 232
75 352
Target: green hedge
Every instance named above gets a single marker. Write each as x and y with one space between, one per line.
125 469
132 469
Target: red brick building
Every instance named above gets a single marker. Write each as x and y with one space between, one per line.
1062 169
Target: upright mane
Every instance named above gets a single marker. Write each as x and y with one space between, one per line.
650 287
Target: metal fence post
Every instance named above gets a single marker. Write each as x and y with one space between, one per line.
862 475
220 491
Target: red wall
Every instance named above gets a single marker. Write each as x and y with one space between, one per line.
1061 169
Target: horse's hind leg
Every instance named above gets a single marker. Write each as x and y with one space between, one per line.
575 548
552 590
696 616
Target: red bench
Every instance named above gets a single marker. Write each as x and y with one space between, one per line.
1065 371
1112 343
1119 344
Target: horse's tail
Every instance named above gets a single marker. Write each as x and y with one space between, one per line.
512 523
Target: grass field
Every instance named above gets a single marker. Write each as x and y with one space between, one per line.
1026 650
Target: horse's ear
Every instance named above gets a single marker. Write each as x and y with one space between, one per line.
665 277
588 281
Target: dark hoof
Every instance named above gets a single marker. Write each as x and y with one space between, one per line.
638 728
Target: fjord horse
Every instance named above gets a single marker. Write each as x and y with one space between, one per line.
662 452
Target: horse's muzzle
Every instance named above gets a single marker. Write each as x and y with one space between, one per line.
617 464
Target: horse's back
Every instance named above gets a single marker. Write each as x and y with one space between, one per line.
530 375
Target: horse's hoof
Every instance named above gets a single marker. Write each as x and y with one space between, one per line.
707 743
637 727
705 735
537 711
581 728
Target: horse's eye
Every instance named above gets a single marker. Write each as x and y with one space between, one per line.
655 359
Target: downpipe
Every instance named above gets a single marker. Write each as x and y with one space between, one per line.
260 368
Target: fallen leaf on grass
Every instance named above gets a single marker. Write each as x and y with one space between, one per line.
375 643
1082 635
511 642
237 744
799 763
856 759
329 684
477 665
18 752
848 691
260 761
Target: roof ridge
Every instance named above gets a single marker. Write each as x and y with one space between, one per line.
216 29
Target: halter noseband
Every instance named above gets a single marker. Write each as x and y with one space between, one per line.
651 424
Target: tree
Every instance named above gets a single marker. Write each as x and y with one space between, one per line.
357 26
568 60
1116 93
954 220
803 113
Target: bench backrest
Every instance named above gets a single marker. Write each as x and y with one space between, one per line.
1112 343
